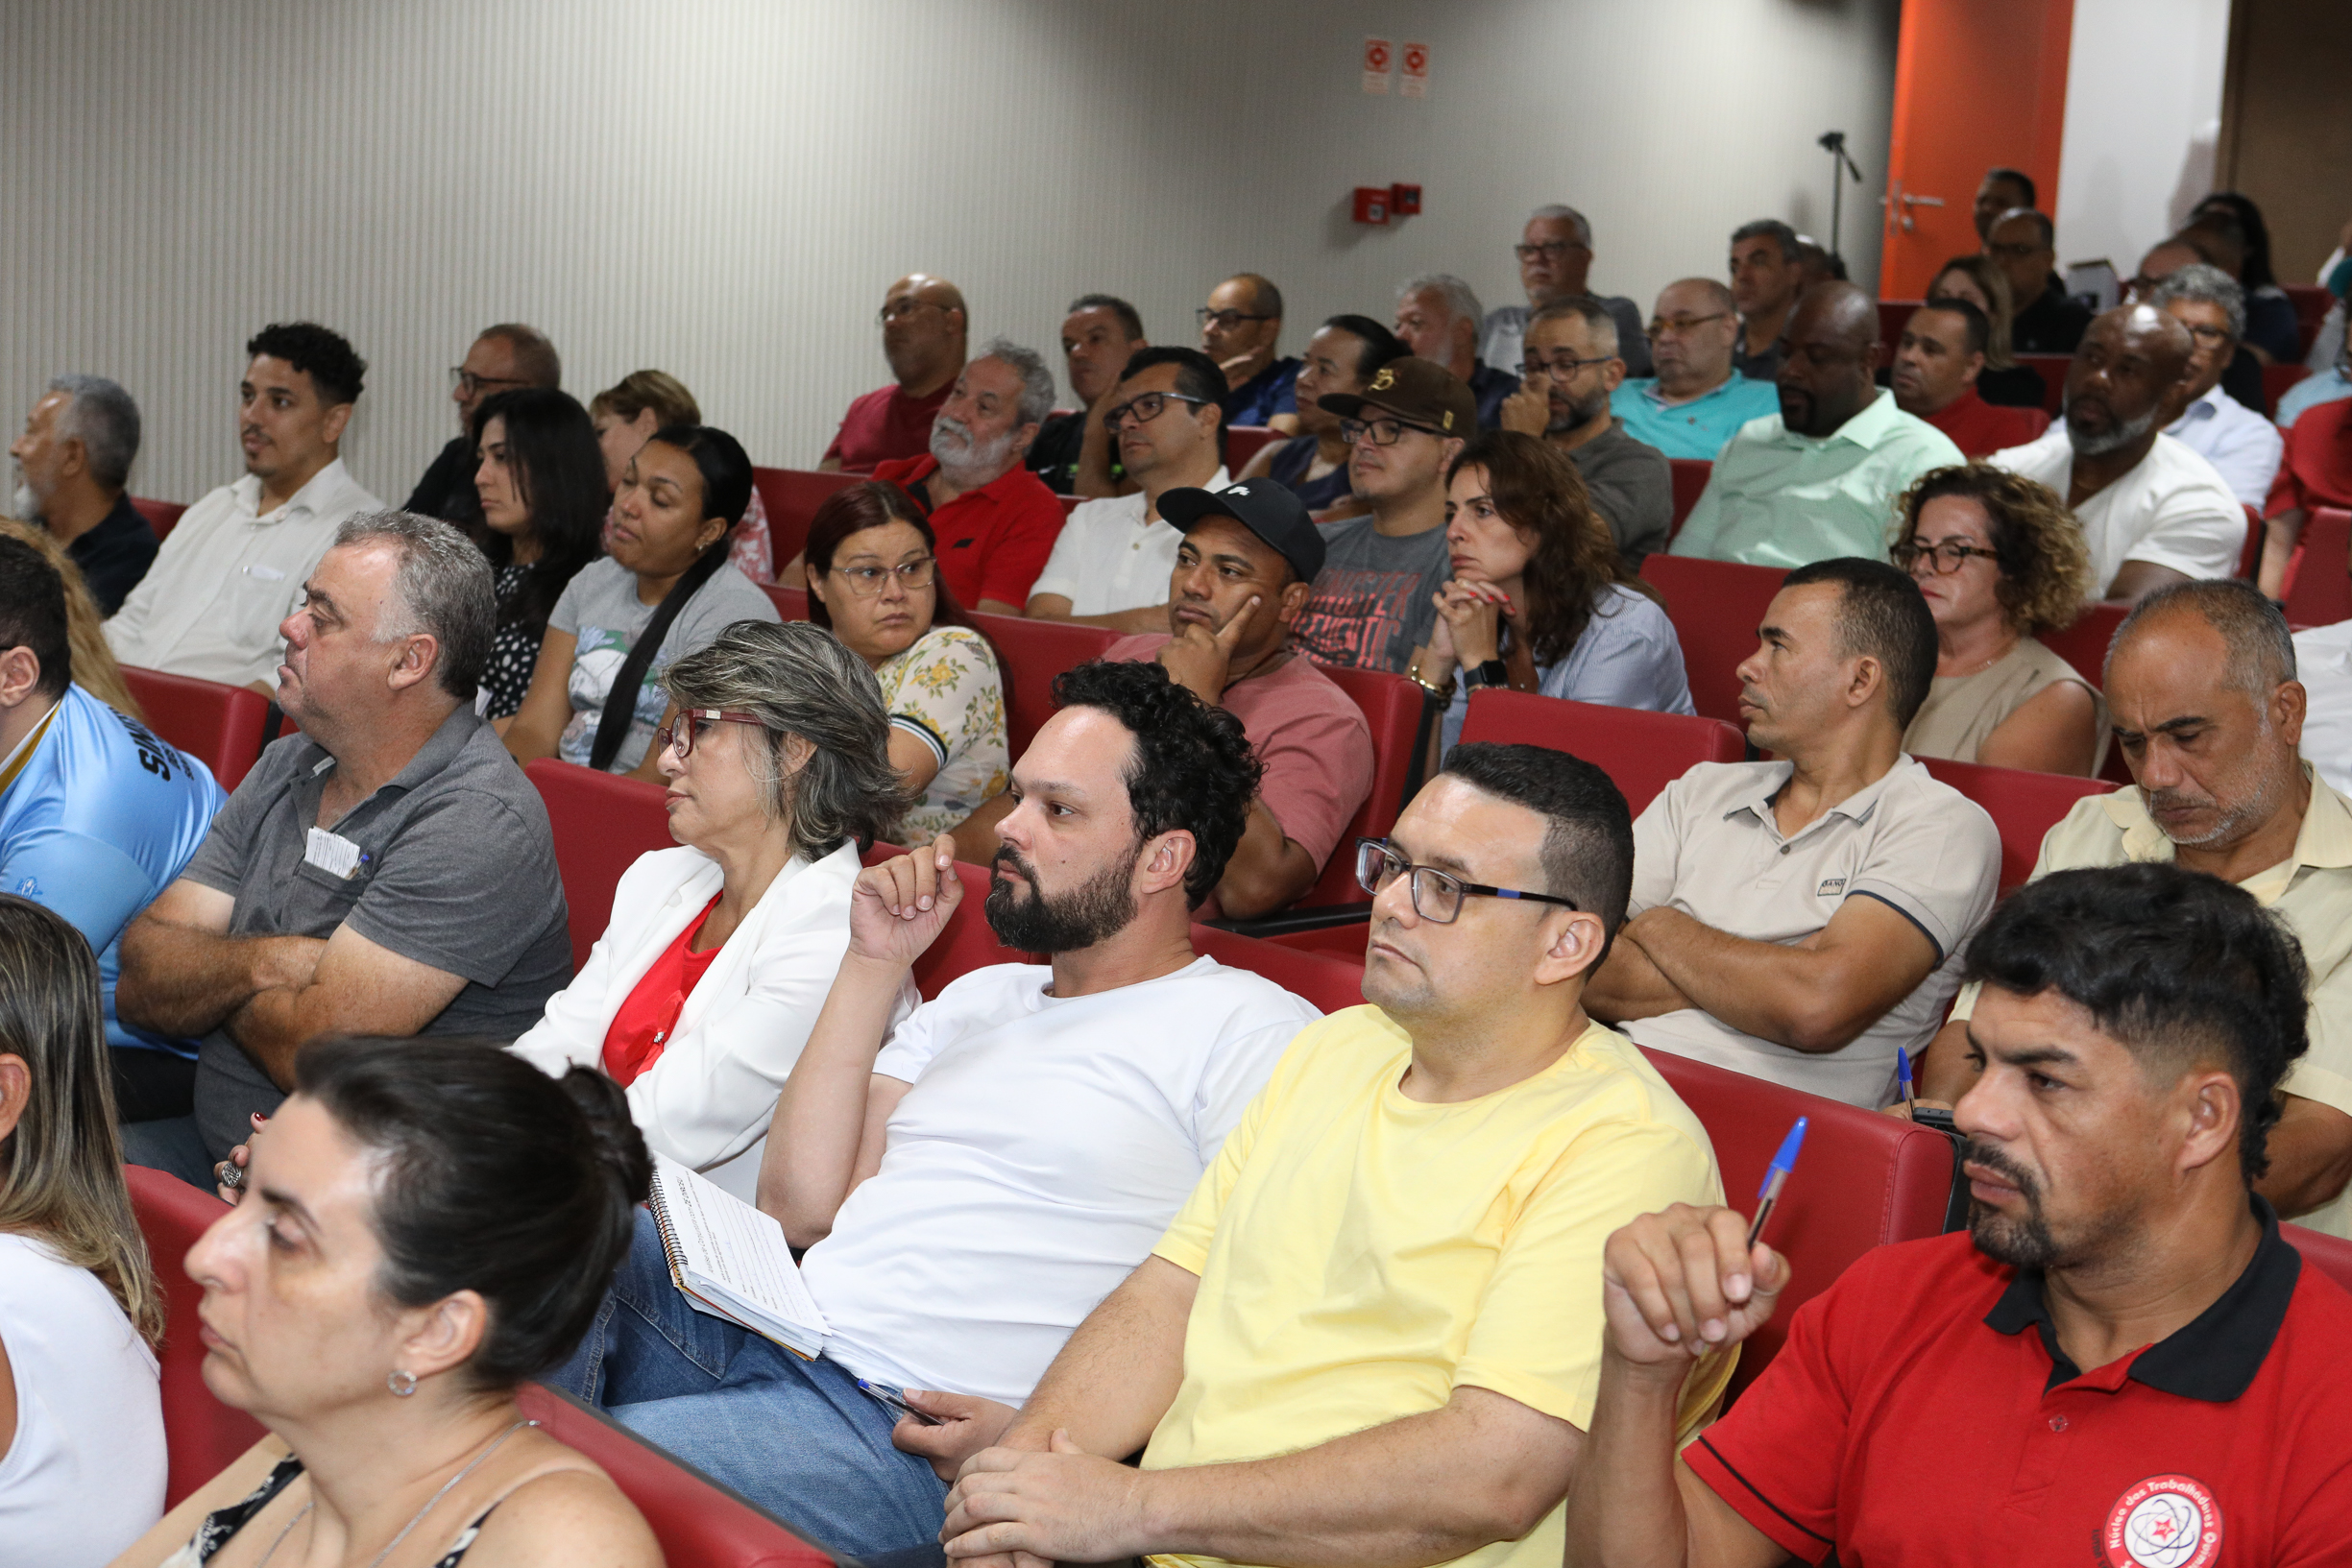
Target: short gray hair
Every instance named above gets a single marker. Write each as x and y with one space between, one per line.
1557 212
1590 311
800 681
2207 284
1772 228
1460 304
103 416
1036 380
2253 629
445 592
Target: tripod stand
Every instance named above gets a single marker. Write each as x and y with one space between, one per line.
1833 142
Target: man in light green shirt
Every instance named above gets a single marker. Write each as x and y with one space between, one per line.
1821 478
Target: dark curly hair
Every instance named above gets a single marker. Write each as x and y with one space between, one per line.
2179 966
1193 768
1540 493
334 367
2044 566
491 1176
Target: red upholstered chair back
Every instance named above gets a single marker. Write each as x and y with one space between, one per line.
2023 805
1691 476
1641 751
1892 314
2084 644
1329 981
602 823
792 603
697 1521
2275 380
218 725
1242 444
2331 1255
200 1434
163 516
1030 654
2320 583
791 496
2310 301
1715 606
2054 367
1399 712
1861 1181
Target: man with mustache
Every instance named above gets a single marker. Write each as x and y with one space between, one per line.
2122 1363
971 1177
925 328
2210 718
2151 510
1572 370
1820 478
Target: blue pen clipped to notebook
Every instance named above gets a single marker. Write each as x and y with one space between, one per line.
1776 1176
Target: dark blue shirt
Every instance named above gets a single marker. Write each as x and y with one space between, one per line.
1490 386
1288 469
1273 390
115 555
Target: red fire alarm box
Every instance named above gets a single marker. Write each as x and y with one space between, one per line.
1373 204
1405 201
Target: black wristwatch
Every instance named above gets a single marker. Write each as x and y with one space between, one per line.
1493 672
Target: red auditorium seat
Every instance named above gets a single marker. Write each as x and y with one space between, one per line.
1892 314
1400 714
2054 367
602 823
1031 653
792 603
791 496
1715 606
1862 1180
2249 555
2318 589
200 1434
2331 1255
161 516
2084 644
1691 475
2023 805
218 725
1641 751
1242 444
2275 380
2311 303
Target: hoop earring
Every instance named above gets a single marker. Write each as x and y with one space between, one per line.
401 1384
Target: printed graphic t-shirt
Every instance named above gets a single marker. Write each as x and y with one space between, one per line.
601 610
1373 601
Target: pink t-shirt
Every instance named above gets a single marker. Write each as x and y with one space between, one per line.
1311 736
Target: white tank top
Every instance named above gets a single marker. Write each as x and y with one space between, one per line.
83 1477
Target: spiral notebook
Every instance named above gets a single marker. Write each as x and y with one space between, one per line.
732 1261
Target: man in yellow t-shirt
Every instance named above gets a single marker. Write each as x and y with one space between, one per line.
1373 1333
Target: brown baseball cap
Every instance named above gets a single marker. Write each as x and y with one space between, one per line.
1417 390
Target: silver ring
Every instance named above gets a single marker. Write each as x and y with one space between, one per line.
229 1174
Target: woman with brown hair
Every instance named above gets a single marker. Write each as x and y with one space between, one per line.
1540 600
1977 280
81 1460
1999 560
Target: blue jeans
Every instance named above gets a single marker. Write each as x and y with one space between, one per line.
796 1437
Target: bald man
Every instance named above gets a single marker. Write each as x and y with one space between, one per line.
925 333
1819 480
2152 512
1696 402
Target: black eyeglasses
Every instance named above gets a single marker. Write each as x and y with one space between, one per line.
472 385
1145 407
1382 432
1560 368
900 309
1437 895
1945 559
1681 324
1549 246
1227 320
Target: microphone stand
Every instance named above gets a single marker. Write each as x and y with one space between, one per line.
1833 142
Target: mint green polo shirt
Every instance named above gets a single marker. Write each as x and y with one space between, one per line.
1780 500
1699 427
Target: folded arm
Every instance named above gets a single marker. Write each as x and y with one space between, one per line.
1817 995
1629 985
357 987
184 975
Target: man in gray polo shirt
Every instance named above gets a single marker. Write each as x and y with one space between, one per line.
388 871
1801 920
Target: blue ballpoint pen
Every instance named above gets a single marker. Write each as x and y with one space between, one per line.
1776 1176
1902 1079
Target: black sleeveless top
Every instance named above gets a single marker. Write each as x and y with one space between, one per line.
221 1525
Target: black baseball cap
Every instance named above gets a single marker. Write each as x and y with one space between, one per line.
1264 507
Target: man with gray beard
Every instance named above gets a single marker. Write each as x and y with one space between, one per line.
1572 367
2152 512
996 521
2209 714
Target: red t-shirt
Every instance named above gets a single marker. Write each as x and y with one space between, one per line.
1918 1415
2317 467
992 542
1979 428
640 1029
1311 737
884 425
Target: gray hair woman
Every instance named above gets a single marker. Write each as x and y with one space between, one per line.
701 992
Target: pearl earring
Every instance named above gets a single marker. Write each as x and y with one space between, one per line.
401 1384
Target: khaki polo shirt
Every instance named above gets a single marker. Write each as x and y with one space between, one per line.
2312 891
1711 847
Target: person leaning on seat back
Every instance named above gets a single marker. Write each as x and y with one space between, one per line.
81 1470
424 1226
2123 1324
626 415
699 995
539 488
657 595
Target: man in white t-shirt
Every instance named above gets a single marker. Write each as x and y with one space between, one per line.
2152 512
1110 565
971 1181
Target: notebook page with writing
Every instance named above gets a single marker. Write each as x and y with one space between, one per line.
731 1260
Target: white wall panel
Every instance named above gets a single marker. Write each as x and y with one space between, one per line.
2143 110
723 188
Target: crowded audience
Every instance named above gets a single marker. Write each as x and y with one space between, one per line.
1073 452
1340 357
1437 317
1240 329
1696 399
925 328
504 358
2004 381
1573 370
1554 257
1938 360
628 413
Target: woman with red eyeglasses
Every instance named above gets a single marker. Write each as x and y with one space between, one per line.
701 992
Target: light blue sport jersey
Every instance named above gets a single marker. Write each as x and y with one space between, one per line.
97 816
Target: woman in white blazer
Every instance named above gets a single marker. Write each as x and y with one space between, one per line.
702 990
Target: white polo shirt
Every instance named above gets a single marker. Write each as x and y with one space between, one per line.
2242 447
2171 510
228 574
2323 663
1711 847
1109 558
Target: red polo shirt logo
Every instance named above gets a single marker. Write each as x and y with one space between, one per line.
2164 1522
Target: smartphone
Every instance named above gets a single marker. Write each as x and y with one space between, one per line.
1938 1117
895 1402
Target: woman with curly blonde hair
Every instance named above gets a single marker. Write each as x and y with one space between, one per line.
2001 560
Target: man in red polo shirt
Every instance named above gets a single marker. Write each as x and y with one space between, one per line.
923 330
1937 361
2121 1363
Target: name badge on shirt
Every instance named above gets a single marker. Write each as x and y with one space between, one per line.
266 573
333 854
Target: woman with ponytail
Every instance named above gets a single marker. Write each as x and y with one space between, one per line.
424 1225
595 697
